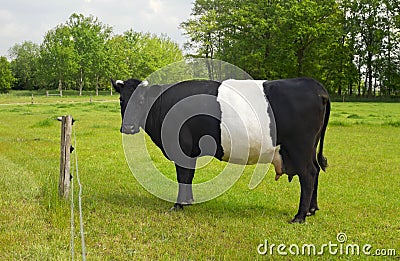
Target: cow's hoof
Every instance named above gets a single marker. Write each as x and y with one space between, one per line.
176 207
312 211
297 220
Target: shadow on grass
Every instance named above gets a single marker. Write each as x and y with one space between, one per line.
220 207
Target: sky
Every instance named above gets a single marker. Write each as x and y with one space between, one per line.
29 20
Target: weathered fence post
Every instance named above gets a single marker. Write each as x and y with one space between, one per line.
65 176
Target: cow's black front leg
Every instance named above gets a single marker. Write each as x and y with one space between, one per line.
307 187
185 192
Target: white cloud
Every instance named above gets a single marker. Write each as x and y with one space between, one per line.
5 15
156 5
10 31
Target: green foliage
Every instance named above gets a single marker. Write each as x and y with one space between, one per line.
370 28
89 36
24 64
6 77
348 45
268 39
83 53
148 53
58 58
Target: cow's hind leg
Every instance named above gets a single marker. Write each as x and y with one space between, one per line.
185 179
314 202
307 179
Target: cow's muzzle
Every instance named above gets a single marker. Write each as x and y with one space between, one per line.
129 129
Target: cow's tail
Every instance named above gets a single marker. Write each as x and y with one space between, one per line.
322 161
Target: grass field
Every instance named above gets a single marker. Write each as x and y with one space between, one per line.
359 195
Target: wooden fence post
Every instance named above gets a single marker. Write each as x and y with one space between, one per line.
65 176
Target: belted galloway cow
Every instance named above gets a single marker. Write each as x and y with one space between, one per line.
238 121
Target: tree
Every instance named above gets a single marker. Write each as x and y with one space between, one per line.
137 55
58 57
390 53
202 29
342 43
366 14
153 52
89 36
25 64
268 39
6 77
84 53
371 33
117 49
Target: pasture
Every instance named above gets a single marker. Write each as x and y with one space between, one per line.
359 195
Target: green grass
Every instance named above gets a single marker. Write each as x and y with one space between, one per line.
359 195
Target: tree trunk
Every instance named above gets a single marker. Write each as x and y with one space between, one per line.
359 78
97 85
389 69
369 74
341 66
81 83
60 87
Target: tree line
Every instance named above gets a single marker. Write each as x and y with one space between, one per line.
82 54
351 46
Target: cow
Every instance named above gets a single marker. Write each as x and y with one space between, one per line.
250 121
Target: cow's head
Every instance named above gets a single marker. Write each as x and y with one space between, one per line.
132 98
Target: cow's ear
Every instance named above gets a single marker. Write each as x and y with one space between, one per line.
144 84
117 85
